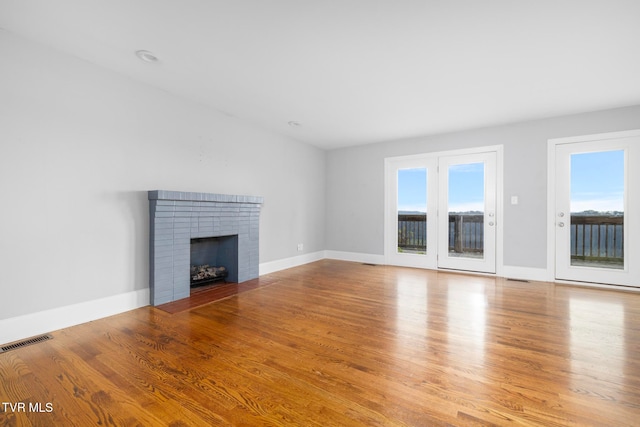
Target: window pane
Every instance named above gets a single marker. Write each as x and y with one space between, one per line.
412 211
597 209
466 210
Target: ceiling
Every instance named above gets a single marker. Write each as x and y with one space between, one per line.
354 72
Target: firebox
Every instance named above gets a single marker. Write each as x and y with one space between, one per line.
214 259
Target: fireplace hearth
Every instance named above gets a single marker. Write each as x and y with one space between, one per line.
196 229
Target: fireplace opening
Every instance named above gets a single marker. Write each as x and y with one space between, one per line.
214 259
202 274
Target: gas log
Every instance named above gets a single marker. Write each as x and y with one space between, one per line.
206 273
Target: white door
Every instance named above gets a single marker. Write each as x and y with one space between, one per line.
420 192
411 211
596 209
467 212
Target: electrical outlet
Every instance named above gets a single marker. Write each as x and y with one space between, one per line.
300 247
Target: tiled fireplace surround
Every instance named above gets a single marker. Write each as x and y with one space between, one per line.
176 217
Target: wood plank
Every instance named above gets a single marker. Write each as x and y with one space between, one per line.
338 344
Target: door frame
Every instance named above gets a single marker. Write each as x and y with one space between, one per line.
390 216
551 198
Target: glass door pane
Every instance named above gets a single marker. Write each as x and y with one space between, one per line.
412 211
466 210
597 209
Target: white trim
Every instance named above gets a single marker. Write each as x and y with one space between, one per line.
283 264
28 325
598 286
430 154
596 137
551 210
355 257
499 210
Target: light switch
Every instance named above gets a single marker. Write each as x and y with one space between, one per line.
514 200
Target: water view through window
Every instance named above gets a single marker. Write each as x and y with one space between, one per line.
597 209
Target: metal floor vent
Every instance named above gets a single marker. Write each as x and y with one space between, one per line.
24 343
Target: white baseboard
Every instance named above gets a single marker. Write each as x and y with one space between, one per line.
28 325
598 286
542 275
525 273
283 264
355 257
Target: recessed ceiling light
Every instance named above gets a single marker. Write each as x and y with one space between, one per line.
294 124
146 56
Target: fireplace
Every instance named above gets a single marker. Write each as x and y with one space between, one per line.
224 229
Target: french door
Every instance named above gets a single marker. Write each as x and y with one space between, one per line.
467 212
596 211
411 211
441 210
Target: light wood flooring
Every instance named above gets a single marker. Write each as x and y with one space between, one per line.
344 344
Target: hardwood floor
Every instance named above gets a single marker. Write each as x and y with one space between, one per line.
338 344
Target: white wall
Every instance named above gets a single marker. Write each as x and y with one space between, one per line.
355 181
80 147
